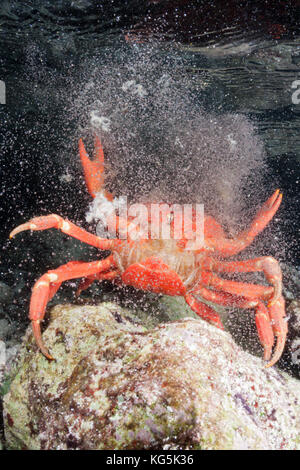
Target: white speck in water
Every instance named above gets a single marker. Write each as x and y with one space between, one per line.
134 88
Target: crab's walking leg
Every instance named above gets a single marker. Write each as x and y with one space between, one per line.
48 285
275 310
247 290
269 321
204 311
86 282
266 264
227 247
67 227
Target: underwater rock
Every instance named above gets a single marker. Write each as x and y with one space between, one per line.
290 359
117 385
2 359
6 328
5 293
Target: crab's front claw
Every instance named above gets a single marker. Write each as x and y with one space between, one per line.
265 214
93 169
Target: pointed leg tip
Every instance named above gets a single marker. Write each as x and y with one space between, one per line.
14 232
22 228
267 357
274 199
277 353
271 363
266 366
267 353
51 358
45 352
36 328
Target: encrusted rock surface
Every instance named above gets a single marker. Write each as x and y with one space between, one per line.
117 385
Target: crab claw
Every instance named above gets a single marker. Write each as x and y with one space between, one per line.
265 214
94 169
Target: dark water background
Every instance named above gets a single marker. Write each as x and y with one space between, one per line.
212 75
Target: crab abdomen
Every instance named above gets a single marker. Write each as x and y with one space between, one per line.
155 276
158 266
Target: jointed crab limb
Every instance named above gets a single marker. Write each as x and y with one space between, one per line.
265 331
93 169
86 282
256 294
67 227
48 285
249 291
226 247
266 264
280 328
270 321
204 311
265 214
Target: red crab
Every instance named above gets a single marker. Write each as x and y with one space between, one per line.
169 266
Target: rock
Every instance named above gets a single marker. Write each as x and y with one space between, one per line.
290 359
2 359
117 385
5 293
5 328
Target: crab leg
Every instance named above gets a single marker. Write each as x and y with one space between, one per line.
86 282
269 321
226 247
204 311
249 291
266 264
67 227
48 284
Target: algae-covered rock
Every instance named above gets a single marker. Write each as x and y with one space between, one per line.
117 385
